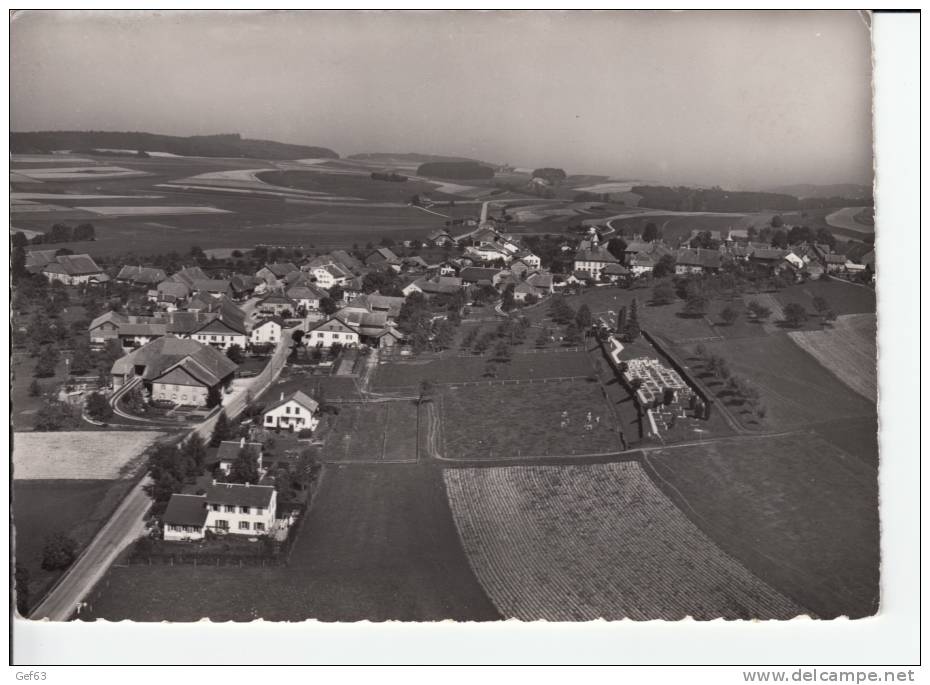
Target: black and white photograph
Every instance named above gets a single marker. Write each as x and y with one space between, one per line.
421 316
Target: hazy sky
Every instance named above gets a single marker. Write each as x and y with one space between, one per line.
743 100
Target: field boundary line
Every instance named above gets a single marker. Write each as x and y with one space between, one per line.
650 469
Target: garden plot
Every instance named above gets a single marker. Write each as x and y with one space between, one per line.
507 421
575 543
69 455
848 350
356 433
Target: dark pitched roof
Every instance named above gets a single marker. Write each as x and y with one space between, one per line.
141 274
188 275
297 396
473 274
186 510
229 450
73 265
595 254
707 259
160 356
239 495
281 269
211 285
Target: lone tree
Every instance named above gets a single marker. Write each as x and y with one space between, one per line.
632 329
583 318
98 408
696 305
501 352
668 396
234 354
214 397
795 314
426 391
664 267
221 430
245 468
58 552
729 315
759 311
663 293
821 306
650 232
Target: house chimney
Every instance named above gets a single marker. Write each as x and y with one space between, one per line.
242 442
282 394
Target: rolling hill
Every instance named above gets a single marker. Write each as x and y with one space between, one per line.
224 145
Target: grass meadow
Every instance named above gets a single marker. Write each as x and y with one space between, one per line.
797 511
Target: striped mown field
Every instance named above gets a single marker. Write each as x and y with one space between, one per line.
576 543
848 350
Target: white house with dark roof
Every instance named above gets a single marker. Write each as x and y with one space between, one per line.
297 411
267 331
330 332
306 296
74 269
592 260
222 508
177 370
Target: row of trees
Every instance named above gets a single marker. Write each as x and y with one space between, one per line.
58 233
732 385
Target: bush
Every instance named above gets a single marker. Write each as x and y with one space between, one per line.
98 408
59 552
305 433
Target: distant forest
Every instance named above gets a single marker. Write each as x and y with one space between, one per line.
682 199
224 145
408 157
455 170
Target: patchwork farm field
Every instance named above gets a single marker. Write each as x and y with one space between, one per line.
847 349
795 510
240 209
379 544
527 419
576 543
461 369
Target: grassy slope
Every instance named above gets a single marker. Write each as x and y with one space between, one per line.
796 389
795 510
380 544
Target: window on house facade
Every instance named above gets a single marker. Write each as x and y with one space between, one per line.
222 524
215 507
259 511
259 526
243 510
243 525
230 509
